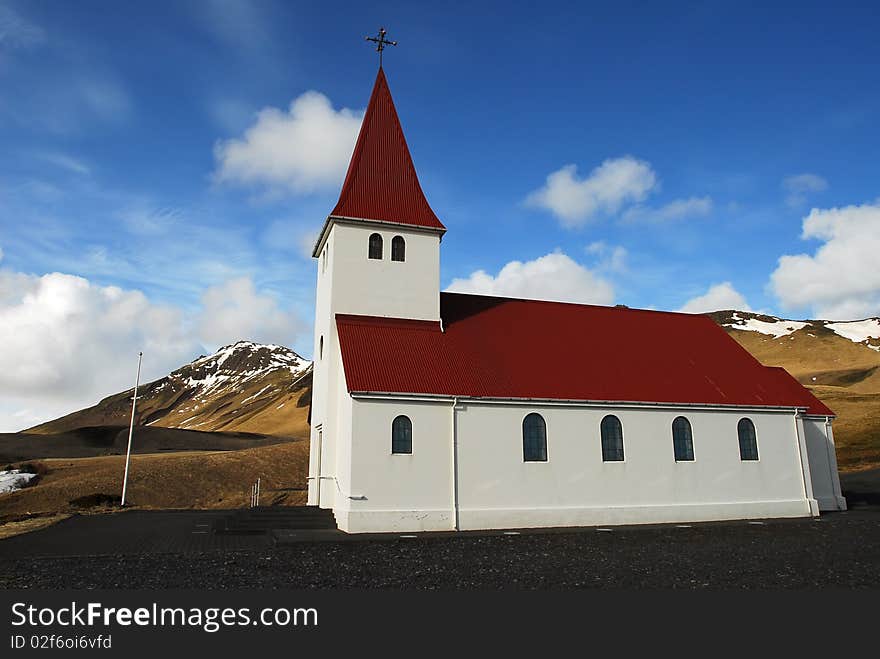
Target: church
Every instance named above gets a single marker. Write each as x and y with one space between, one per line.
438 411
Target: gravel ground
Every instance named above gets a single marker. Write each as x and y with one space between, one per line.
838 551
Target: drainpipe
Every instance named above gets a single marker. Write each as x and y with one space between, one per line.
454 464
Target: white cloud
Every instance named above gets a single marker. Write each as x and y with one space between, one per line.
235 310
801 185
67 343
612 258
719 297
552 277
300 151
675 210
1 253
841 280
608 187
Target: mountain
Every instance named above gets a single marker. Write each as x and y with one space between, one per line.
244 387
838 361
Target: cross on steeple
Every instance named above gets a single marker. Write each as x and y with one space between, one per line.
381 42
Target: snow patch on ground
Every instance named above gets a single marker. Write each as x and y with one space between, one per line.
256 395
776 329
858 331
13 480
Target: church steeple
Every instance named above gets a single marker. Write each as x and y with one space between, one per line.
381 184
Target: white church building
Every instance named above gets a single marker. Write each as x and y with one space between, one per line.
442 411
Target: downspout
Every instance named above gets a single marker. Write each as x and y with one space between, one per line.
454 447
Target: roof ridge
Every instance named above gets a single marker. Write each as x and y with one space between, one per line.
621 308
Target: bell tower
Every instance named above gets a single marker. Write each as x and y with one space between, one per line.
378 254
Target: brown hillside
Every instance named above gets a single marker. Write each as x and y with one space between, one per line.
194 479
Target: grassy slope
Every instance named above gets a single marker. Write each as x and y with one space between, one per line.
170 480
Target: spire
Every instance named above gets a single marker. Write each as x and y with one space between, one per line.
381 183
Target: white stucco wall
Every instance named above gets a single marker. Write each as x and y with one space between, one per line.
348 282
371 287
400 492
823 463
496 489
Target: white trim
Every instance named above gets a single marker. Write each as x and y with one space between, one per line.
554 402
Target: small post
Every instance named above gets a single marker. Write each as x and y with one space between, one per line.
131 429
258 492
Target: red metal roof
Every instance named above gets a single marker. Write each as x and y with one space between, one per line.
507 348
381 183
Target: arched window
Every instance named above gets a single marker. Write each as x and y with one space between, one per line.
398 249
401 435
748 439
612 439
682 439
534 438
376 246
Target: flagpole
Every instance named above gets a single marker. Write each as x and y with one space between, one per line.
131 428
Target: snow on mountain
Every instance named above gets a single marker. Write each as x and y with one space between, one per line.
865 332
859 331
776 328
245 386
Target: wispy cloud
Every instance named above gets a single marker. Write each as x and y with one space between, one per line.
611 257
800 186
675 210
66 162
17 32
238 23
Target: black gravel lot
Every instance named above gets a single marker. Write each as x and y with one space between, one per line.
177 549
838 551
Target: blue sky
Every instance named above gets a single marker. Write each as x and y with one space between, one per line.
157 189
